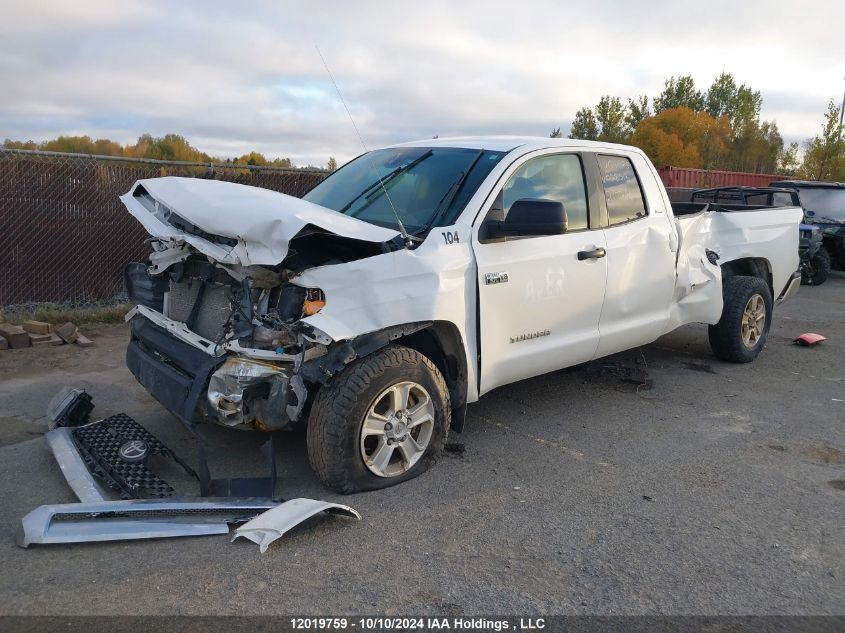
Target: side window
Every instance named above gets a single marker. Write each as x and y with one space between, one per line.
621 189
559 177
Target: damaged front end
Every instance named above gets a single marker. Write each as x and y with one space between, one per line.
258 393
218 331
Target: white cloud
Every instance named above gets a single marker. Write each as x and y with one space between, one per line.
236 77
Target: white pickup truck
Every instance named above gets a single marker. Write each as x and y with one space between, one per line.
418 277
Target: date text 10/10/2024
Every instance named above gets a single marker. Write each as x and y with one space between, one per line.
417 623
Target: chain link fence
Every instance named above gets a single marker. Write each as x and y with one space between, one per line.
64 234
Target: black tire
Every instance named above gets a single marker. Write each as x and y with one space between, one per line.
339 409
817 269
726 339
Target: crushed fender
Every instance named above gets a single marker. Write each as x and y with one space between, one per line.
271 525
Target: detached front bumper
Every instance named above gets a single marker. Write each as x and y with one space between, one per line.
226 389
173 372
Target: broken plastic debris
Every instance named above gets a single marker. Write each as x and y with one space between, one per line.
271 525
809 338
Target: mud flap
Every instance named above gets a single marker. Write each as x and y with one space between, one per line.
271 525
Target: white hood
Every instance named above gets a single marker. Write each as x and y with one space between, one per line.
262 221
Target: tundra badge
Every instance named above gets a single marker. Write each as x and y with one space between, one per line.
528 336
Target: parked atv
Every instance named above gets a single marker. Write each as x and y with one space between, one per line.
815 259
824 206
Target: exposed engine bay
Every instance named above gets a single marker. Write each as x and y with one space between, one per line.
245 317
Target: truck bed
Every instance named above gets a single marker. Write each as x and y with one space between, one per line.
691 208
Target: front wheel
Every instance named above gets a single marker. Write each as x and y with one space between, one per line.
741 333
380 421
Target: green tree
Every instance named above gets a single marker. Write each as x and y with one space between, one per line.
584 126
606 122
638 110
556 133
610 116
679 93
788 162
824 157
167 147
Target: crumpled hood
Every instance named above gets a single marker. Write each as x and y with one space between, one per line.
262 221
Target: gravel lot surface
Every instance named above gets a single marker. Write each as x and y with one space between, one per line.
659 480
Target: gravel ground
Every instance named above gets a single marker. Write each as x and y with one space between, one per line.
658 481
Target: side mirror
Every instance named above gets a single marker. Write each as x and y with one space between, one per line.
529 217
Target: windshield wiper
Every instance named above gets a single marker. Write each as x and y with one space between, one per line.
448 197
382 182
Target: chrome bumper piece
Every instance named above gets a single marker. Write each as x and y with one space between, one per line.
134 519
271 525
87 488
791 287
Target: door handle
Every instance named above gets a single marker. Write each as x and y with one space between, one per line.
596 253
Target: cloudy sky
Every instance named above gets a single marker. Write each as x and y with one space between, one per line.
238 76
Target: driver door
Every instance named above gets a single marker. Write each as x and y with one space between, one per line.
540 297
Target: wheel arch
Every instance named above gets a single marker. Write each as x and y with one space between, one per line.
751 267
439 341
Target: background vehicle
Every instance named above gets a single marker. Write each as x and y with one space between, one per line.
824 206
418 277
815 260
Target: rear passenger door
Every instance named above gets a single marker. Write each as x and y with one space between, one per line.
641 245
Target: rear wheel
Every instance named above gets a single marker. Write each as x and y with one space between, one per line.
741 333
817 269
381 421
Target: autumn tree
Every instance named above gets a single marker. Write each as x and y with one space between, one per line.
253 158
168 147
10 144
683 138
70 144
733 135
332 164
824 156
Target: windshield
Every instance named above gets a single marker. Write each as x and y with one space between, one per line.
428 186
823 202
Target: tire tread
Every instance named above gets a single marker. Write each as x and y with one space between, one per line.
327 445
